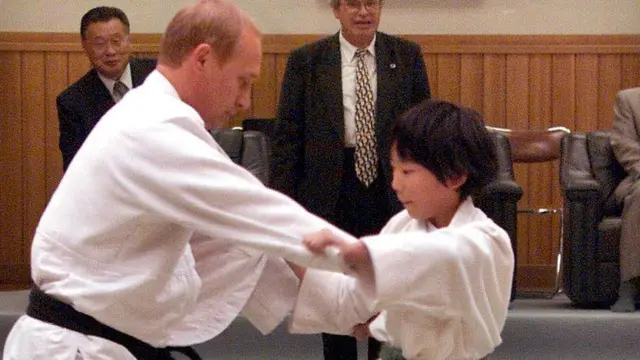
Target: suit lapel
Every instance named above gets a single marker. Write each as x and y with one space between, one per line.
386 67
330 85
136 74
101 94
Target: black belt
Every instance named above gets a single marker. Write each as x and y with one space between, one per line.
48 309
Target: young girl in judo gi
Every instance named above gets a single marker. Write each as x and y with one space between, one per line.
436 283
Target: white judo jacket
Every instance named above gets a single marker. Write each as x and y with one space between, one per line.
441 293
145 233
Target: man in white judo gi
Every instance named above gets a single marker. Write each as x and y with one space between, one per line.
437 280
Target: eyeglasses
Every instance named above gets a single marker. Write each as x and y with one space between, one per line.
100 44
355 5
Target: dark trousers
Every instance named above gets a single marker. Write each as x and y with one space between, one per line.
343 347
360 211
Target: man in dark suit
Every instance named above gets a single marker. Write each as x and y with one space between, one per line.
105 40
625 141
319 127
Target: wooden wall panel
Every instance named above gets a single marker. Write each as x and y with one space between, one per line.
11 196
33 151
265 95
586 92
55 82
431 64
78 66
609 82
448 84
495 90
630 70
517 82
471 81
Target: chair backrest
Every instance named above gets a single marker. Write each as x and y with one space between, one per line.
246 148
534 146
264 125
589 156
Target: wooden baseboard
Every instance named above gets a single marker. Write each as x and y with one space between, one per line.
536 278
14 276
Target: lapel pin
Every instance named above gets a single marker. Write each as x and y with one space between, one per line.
393 66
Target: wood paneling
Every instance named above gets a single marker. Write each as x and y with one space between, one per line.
516 81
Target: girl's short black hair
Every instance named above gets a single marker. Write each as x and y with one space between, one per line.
450 141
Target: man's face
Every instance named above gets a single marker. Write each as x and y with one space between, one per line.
108 48
227 87
359 20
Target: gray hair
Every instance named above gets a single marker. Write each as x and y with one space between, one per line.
336 3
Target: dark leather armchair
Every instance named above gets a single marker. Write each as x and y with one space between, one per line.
249 149
589 175
499 199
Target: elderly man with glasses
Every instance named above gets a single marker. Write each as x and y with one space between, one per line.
330 148
105 40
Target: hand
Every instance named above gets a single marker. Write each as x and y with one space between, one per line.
355 255
361 331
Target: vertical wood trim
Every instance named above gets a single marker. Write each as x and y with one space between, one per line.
264 94
449 77
431 65
517 93
78 66
586 92
563 89
11 231
630 71
33 136
56 82
609 82
471 82
495 89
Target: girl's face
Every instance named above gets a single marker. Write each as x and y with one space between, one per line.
419 190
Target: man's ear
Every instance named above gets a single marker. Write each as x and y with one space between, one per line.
201 55
457 181
85 46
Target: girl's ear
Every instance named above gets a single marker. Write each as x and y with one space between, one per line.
457 181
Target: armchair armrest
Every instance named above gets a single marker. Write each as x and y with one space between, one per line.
582 212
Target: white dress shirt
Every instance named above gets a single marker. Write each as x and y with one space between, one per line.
146 233
125 78
349 69
441 293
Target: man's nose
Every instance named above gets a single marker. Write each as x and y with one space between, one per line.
244 100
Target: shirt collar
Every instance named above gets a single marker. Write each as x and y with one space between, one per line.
349 51
125 78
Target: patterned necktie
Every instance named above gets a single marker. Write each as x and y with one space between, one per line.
119 89
366 157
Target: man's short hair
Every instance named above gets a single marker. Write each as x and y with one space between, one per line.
215 22
450 141
102 14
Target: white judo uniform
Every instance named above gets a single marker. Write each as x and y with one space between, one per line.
450 302
145 233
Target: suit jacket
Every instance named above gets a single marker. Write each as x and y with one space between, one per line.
308 144
82 104
625 137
